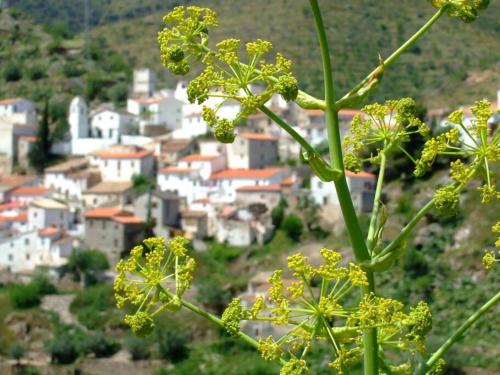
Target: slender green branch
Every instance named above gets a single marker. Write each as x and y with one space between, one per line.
458 334
376 203
351 220
214 319
392 58
289 129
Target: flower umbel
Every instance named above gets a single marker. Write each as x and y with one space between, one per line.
153 278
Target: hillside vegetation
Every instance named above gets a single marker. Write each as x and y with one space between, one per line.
454 64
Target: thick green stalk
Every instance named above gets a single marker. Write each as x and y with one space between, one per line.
458 334
346 205
394 56
376 203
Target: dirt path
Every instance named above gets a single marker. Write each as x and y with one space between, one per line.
60 305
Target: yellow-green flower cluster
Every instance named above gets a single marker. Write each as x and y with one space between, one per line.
226 76
492 257
307 313
482 149
447 200
384 127
465 10
153 278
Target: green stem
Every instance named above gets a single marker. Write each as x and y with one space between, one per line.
376 203
346 205
394 56
458 333
289 129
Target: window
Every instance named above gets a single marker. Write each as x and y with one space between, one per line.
27 256
320 185
118 165
61 215
325 200
26 241
35 214
11 257
116 242
104 224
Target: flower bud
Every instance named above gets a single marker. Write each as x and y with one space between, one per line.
288 87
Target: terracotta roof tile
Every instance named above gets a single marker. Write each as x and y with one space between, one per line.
21 218
9 101
123 152
128 219
102 213
246 173
175 170
260 188
30 190
47 232
361 174
197 157
259 137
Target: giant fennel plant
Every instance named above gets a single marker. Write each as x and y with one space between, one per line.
343 310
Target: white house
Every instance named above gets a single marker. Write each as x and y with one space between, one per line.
82 140
156 110
226 182
45 213
48 247
10 134
69 179
18 110
361 185
111 124
120 193
252 150
20 253
181 181
14 221
121 162
205 164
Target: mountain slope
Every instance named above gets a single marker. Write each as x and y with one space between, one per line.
454 64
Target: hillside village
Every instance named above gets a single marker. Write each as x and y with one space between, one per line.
200 188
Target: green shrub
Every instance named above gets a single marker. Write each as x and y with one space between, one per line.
138 348
100 345
93 306
12 72
172 344
71 70
24 296
64 347
36 72
293 227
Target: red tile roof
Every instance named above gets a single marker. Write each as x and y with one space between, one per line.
260 188
47 232
175 170
202 200
30 190
11 219
123 152
287 182
246 173
29 138
11 205
197 157
152 100
115 214
9 101
102 213
361 174
128 219
259 137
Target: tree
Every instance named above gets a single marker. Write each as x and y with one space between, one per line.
278 212
24 296
309 210
16 351
40 153
86 265
64 347
12 72
293 227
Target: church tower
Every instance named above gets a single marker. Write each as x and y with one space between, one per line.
78 119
